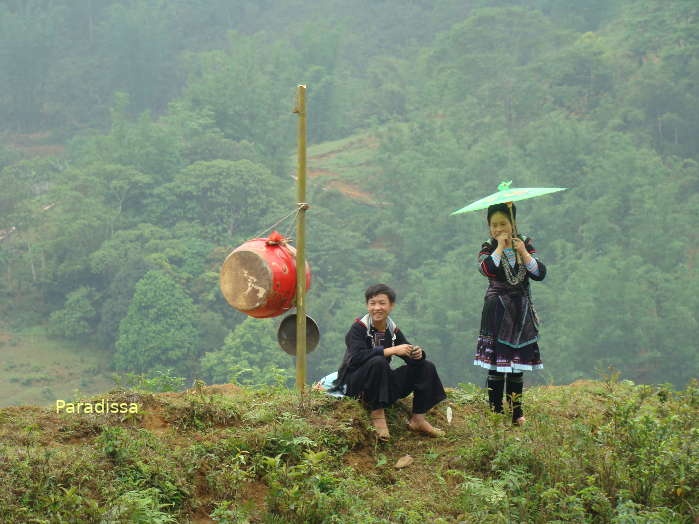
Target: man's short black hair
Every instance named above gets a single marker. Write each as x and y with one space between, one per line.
378 289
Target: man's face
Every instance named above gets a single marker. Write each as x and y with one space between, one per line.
379 307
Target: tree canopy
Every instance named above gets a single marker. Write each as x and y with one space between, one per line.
140 142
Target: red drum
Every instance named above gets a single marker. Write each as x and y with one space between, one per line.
259 277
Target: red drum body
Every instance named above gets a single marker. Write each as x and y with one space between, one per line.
259 278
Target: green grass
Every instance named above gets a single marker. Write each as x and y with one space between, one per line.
592 452
38 370
336 145
349 159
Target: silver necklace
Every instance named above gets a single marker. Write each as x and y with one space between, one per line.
514 279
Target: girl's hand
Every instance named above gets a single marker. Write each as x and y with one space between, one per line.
504 240
520 247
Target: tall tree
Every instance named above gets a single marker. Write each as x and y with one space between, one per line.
159 330
251 352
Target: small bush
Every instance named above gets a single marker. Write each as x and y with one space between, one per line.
138 507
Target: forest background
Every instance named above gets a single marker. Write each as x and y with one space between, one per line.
141 141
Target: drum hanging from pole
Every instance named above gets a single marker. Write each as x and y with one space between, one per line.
258 278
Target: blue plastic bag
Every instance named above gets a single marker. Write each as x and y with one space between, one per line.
327 383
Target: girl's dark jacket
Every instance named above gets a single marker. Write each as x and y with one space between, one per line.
496 274
519 324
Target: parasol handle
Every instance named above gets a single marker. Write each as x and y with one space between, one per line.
514 232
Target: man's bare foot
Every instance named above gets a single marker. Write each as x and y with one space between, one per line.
420 423
381 428
378 420
521 421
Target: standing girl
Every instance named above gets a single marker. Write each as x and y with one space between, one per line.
507 344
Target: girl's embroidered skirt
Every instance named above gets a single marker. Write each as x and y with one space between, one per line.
508 335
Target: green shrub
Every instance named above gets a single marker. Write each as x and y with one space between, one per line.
477 454
114 443
227 512
138 507
158 382
304 493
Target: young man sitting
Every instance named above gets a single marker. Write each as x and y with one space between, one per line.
365 370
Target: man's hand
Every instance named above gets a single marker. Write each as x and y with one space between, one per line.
404 350
416 354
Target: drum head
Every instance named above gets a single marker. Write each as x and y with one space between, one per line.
246 281
286 335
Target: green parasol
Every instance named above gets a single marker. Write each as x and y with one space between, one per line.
507 195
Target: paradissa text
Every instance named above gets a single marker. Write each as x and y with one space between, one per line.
101 406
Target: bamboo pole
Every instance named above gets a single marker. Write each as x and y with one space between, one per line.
514 233
300 109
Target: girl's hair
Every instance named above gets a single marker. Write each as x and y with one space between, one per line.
502 208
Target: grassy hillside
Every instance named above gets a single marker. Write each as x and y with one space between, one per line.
36 369
345 166
592 452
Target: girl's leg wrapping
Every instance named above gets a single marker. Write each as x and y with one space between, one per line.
515 384
496 387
